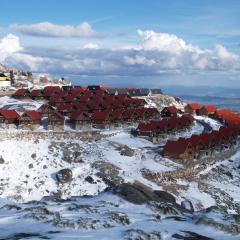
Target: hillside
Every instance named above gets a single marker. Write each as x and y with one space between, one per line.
99 162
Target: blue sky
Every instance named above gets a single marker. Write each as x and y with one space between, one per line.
113 24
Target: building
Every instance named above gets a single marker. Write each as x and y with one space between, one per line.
30 120
208 110
80 120
192 108
8 118
168 112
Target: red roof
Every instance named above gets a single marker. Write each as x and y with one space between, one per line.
44 107
80 106
209 108
171 109
34 115
36 92
80 116
179 146
9 114
51 90
146 127
20 92
194 106
115 115
55 99
99 117
65 107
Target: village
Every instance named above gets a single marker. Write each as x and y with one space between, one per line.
70 108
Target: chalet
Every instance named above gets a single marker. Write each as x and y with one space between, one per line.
56 100
56 121
37 94
80 120
192 108
80 107
208 110
100 119
152 113
168 112
21 93
46 110
65 109
8 118
146 129
50 91
181 149
116 116
128 115
30 120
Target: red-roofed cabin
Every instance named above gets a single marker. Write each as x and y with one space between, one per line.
56 121
146 129
192 108
30 120
37 94
128 115
181 149
116 116
168 112
152 113
46 110
80 120
208 110
22 93
56 100
8 118
65 109
100 119
50 91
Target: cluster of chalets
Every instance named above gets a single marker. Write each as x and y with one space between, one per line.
82 108
158 128
203 145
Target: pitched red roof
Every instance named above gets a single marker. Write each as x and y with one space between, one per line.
171 109
65 107
80 106
43 107
209 108
115 115
51 90
55 99
146 127
34 115
179 146
99 117
20 92
36 92
80 116
194 106
10 115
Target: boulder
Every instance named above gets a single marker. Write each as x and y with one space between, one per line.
89 179
64 175
165 196
127 151
186 204
1 160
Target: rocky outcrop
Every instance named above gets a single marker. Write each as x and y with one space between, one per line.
64 175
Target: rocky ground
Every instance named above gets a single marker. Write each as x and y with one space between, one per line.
111 185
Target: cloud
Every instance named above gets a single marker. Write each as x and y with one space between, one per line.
155 55
47 29
9 45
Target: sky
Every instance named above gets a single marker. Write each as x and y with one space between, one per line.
129 42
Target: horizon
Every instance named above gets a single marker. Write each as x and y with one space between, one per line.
150 44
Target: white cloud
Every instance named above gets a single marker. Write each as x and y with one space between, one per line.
47 29
141 60
91 46
9 45
156 53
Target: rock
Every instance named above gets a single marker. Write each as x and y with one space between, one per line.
1 160
77 157
30 166
64 175
186 204
127 151
108 172
89 179
34 156
165 196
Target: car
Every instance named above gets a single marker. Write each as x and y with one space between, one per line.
3 77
